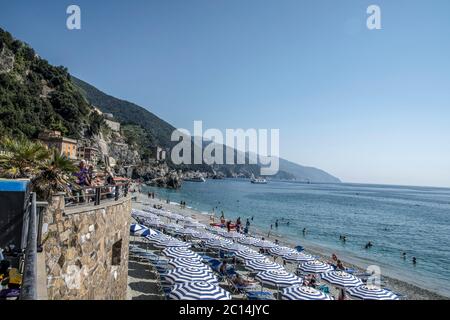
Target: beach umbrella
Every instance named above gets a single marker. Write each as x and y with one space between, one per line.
172 244
203 236
233 247
298 257
198 291
182 275
156 238
304 293
315 266
188 263
341 279
248 241
262 265
186 232
136 228
281 251
217 243
265 244
249 255
278 279
177 252
142 214
193 224
171 226
233 235
368 292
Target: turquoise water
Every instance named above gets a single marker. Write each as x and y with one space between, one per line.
396 219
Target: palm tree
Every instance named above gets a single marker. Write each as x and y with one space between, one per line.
21 158
54 176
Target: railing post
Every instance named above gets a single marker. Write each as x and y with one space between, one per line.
117 193
97 196
28 290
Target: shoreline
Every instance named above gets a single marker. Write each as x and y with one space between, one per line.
410 291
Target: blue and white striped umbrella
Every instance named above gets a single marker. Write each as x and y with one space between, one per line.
175 253
262 265
156 238
171 226
315 266
135 228
298 257
198 291
186 232
182 275
233 235
203 236
304 293
217 243
153 223
281 251
193 224
341 279
188 263
233 247
265 244
249 255
371 293
172 244
278 279
249 241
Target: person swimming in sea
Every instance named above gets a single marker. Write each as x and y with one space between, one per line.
276 224
414 260
304 231
369 245
404 255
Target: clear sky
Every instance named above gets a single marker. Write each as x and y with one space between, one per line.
366 106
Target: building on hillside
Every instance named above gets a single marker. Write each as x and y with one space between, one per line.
90 154
54 140
160 154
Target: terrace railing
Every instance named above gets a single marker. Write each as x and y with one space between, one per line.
96 195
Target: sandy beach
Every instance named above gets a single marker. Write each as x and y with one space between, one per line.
142 283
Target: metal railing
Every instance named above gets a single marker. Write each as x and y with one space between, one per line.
97 194
28 289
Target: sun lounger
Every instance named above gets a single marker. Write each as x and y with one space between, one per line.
259 295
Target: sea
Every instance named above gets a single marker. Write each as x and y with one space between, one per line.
395 219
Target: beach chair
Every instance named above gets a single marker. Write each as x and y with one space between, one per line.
259 295
238 289
324 289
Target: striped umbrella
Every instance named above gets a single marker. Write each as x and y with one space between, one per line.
176 252
233 235
249 255
203 236
265 244
153 223
172 244
193 224
341 279
171 226
233 247
262 265
186 232
278 279
198 291
298 257
303 293
217 243
135 228
315 266
156 238
249 241
281 251
188 263
182 275
367 292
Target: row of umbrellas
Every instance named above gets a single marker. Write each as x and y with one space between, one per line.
192 279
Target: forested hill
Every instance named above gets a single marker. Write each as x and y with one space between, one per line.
35 95
156 130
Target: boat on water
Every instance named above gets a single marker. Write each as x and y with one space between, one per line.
258 181
195 179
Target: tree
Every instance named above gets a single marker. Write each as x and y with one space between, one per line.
22 158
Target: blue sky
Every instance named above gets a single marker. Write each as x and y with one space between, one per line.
366 106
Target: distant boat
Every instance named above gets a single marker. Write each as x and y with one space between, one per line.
195 179
258 181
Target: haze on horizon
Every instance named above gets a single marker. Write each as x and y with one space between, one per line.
365 106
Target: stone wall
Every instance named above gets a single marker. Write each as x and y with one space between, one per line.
78 246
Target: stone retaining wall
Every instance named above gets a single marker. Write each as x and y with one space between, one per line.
78 246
